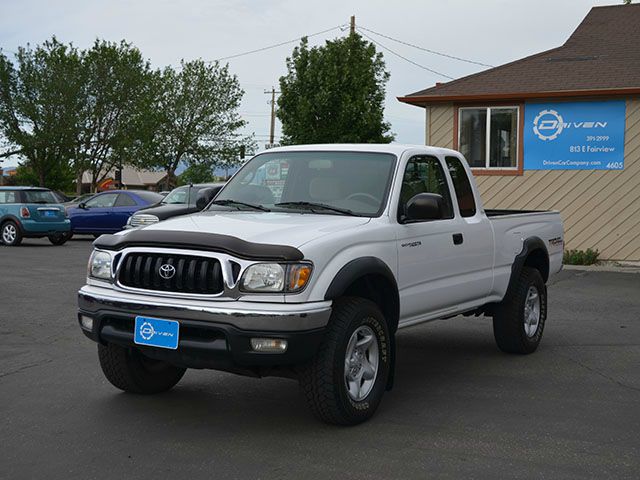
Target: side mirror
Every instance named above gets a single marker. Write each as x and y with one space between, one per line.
424 206
204 197
82 205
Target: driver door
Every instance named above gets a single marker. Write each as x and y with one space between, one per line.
428 263
94 217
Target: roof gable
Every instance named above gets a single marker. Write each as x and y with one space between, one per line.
603 53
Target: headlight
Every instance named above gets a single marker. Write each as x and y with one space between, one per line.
274 277
142 219
100 265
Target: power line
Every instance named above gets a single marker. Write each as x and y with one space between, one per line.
277 44
426 49
405 58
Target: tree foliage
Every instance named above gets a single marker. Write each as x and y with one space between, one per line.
64 112
334 94
115 95
40 101
194 118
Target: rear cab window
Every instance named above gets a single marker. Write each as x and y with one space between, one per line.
462 186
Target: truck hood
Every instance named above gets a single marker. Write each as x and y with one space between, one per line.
276 228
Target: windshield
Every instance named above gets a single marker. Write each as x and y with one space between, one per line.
39 196
339 182
181 196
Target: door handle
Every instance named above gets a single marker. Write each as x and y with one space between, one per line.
457 239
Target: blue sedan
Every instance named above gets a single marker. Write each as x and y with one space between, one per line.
108 212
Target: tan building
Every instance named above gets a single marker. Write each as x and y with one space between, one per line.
556 130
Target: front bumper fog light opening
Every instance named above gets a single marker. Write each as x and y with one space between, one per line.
86 322
269 345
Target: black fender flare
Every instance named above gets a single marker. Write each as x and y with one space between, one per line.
357 269
529 245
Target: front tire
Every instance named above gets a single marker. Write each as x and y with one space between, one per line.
129 370
519 320
345 381
10 234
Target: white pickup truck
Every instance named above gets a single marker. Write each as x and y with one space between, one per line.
306 264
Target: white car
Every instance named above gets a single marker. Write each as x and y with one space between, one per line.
307 263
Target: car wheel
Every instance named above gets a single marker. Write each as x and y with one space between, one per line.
347 378
10 234
519 320
129 370
59 238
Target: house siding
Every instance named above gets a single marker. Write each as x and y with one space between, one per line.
600 209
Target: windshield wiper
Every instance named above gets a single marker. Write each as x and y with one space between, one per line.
237 202
323 206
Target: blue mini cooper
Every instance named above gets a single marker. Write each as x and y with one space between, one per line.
31 212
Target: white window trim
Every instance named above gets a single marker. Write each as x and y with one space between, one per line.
487 158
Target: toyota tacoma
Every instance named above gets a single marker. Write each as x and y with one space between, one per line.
307 263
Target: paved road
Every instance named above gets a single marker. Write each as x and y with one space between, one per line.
459 409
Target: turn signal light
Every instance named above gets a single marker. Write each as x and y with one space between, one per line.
24 212
298 276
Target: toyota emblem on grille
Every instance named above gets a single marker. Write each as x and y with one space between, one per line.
167 271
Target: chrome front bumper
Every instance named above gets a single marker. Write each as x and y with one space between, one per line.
273 317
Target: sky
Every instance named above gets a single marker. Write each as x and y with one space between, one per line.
489 31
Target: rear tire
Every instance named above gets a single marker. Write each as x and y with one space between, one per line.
519 320
59 238
10 234
345 381
129 370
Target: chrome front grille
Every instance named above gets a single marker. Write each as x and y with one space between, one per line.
171 272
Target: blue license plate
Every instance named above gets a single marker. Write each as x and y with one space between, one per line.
155 332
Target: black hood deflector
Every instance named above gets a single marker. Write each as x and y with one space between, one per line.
211 242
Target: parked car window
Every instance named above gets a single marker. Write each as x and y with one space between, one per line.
356 181
39 196
102 201
7 196
182 196
424 174
150 197
125 200
462 186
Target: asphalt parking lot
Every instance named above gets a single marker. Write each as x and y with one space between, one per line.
460 408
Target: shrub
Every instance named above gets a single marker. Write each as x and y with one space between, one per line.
581 257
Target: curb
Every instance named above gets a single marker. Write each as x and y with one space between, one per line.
604 268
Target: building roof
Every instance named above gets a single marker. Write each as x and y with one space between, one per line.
601 57
132 177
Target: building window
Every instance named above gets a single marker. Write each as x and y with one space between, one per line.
488 136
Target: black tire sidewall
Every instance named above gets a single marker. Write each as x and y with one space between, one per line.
368 314
533 279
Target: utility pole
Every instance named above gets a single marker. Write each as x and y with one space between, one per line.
352 29
272 130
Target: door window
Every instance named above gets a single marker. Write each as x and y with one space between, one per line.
102 201
125 200
424 174
7 196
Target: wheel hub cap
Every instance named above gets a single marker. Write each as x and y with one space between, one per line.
532 311
9 233
361 363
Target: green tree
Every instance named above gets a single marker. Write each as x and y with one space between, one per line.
196 173
194 118
334 94
116 90
40 98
